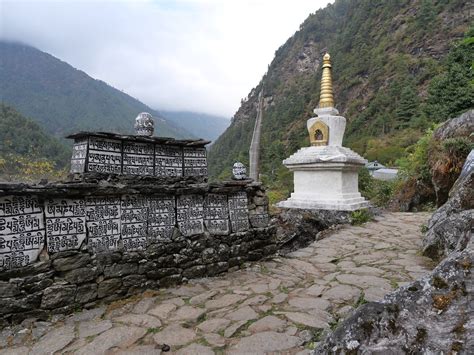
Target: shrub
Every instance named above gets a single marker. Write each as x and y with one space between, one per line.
360 217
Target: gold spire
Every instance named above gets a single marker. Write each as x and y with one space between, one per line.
327 97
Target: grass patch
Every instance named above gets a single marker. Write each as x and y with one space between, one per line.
153 330
394 284
360 217
284 289
361 300
424 228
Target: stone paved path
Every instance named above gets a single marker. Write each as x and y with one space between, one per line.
276 306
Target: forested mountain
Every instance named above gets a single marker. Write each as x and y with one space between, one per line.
26 150
393 77
63 99
201 125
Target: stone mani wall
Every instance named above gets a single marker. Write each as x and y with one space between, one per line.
70 245
109 153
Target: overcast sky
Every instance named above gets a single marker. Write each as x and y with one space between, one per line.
199 55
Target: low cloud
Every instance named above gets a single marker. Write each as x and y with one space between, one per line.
202 55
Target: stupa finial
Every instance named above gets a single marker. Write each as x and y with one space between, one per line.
327 97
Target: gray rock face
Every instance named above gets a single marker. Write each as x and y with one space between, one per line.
450 227
461 126
432 315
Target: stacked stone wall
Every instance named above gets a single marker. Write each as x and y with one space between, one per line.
69 245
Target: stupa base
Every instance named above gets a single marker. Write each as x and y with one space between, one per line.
333 205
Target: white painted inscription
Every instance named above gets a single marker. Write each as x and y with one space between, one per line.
79 153
190 212
103 223
168 161
65 224
21 231
138 158
195 161
134 213
105 155
238 212
161 218
216 214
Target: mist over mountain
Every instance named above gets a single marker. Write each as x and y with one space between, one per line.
201 125
64 100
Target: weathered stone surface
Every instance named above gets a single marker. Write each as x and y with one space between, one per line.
223 301
90 328
244 313
213 325
108 287
140 320
306 319
450 227
58 296
53 341
267 323
71 262
427 316
195 349
262 343
144 305
309 303
162 310
188 313
174 335
215 339
140 350
118 337
202 297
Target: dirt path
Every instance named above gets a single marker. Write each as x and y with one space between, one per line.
277 306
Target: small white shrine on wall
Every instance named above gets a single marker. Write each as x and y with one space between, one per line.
325 174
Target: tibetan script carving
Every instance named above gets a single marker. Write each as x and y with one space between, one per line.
161 218
238 212
168 161
216 214
195 161
105 155
190 212
21 231
103 223
65 224
138 158
259 220
134 214
79 153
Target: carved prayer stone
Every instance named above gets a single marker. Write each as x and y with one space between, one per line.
195 161
190 212
21 231
216 214
79 154
161 218
239 171
134 214
65 224
138 158
105 155
103 223
144 124
168 161
238 212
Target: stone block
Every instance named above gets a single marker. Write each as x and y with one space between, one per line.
118 270
195 271
108 287
86 293
71 262
58 295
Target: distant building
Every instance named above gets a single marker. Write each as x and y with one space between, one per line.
374 166
385 174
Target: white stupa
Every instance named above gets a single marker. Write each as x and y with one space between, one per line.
325 174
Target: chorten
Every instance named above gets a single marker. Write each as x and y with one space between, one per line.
326 173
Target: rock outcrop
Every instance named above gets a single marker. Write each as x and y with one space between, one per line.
450 227
430 316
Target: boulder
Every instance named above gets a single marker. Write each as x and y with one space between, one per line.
461 126
450 226
428 316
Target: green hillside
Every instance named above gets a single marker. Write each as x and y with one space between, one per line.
63 99
201 125
26 150
390 67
